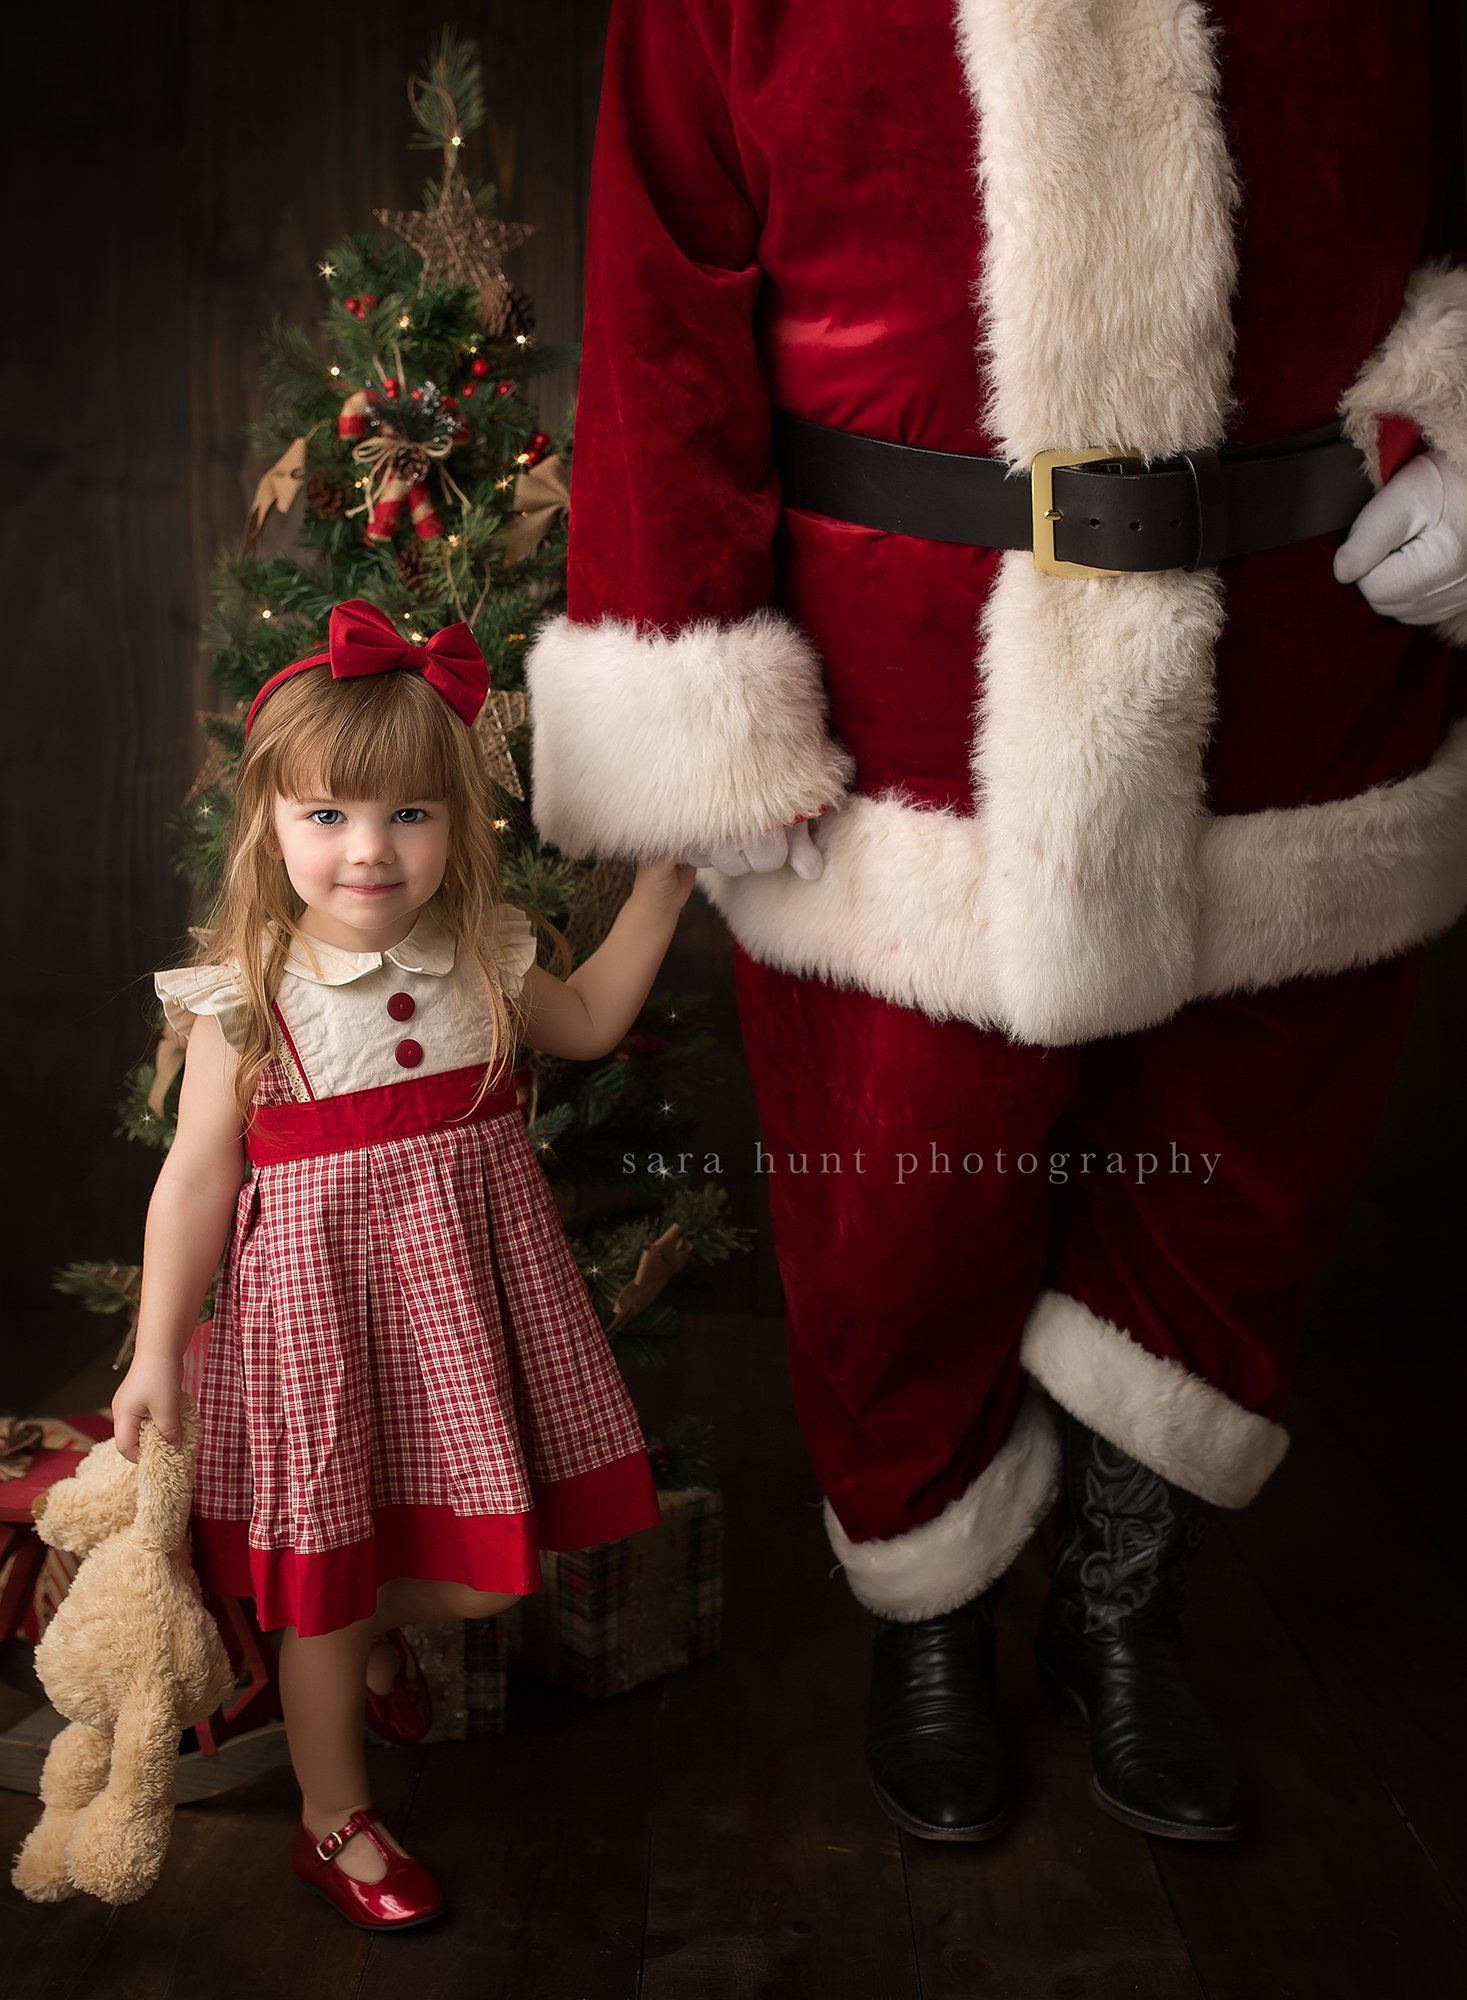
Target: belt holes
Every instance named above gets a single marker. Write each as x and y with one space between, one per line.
1093 522
1135 524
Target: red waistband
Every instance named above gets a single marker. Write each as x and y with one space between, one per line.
370 1117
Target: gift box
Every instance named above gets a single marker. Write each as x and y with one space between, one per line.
611 1618
465 1662
34 1578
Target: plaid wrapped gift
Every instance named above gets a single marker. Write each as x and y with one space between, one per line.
610 1618
465 1663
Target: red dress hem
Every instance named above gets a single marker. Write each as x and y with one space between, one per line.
322 1591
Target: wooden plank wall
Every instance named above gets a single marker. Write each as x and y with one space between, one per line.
173 186
172 190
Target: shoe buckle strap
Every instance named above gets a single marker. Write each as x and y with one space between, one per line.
331 1844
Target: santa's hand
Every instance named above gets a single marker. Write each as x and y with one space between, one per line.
1407 547
762 853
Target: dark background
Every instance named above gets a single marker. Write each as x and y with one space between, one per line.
175 173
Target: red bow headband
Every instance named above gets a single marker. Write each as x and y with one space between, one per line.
364 640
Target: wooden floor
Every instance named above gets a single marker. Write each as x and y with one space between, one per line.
714 1836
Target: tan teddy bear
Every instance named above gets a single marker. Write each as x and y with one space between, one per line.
131 1658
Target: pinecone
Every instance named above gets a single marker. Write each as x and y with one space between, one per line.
326 500
410 565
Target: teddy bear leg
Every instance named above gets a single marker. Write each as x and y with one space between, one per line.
74 1772
118 1843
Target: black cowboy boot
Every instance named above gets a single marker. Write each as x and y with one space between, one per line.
1109 1639
939 1760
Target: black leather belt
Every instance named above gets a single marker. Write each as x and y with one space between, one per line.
1083 513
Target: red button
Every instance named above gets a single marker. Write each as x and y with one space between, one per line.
409 1054
402 1006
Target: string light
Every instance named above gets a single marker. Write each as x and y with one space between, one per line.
327 270
334 369
455 140
453 541
500 825
267 613
417 638
404 320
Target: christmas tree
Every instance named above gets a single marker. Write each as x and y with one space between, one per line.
401 449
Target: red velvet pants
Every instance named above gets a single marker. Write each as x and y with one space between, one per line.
1134 1222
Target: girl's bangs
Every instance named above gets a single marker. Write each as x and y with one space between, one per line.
362 756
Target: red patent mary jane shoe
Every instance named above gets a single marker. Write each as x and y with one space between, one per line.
405 1896
404 1713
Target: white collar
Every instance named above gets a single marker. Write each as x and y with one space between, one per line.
428 947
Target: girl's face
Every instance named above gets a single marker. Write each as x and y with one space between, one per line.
362 867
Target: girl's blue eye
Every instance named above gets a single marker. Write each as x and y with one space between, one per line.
421 811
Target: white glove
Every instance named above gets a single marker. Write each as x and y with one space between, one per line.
761 853
1407 547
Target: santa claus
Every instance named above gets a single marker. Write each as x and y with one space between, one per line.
1017 550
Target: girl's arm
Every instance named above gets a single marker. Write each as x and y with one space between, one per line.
189 1218
587 1014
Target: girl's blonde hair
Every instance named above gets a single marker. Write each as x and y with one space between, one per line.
367 736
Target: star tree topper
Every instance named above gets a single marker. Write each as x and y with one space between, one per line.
459 246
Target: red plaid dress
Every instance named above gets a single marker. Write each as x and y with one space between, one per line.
405 1376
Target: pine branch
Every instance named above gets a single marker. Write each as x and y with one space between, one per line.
449 103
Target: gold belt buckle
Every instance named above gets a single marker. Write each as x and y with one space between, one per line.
1041 497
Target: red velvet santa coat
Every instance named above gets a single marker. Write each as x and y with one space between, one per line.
1066 806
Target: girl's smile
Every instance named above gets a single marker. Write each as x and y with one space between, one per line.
319 835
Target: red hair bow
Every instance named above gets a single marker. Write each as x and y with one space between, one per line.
364 640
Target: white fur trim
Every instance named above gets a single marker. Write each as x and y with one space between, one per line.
1105 320
1419 370
1158 1411
942 1563
1319 888
648 744
1284 895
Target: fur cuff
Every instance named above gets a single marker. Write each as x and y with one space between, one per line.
648 744
1419 369
1158 1411
940 1564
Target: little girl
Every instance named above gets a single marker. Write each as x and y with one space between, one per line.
407 1393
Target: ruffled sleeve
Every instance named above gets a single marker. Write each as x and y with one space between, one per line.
515 943
189 990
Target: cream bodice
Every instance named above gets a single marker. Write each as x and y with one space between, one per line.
361 1018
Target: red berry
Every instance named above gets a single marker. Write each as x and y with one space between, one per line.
504 388
479 366
417 395
467 389
369 298
350 304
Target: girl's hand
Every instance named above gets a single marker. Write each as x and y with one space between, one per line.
669 882
149 1389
